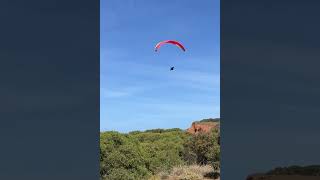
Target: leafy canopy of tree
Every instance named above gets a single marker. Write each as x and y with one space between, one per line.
203 149
138 155
210 120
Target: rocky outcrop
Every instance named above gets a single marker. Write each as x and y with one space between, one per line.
203 126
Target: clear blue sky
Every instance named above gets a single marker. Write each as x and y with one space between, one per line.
138 90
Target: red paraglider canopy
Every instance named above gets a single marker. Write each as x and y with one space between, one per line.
169 42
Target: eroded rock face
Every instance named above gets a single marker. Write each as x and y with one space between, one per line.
203 127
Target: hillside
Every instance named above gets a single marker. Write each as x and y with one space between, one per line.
159 154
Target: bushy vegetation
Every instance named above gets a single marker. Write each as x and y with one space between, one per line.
202 149
210 120
141 155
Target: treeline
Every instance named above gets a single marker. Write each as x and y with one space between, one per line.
139 155
210 120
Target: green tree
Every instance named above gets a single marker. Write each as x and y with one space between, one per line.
121 157
202 149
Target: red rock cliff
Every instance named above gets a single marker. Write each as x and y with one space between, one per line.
198 127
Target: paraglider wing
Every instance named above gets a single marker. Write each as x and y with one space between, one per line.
169 42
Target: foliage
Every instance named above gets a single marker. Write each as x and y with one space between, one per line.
163 130
121 157
202 149
164 150
210 120
141 155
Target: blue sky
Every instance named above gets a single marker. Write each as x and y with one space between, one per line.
138 90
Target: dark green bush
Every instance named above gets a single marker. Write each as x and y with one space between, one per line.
202 149
210 120
121 157
138 155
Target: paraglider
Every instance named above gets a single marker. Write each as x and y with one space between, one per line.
169 42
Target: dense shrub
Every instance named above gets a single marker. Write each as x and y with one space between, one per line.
121 157
164 130
164 150
202 149
210 120
138 155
